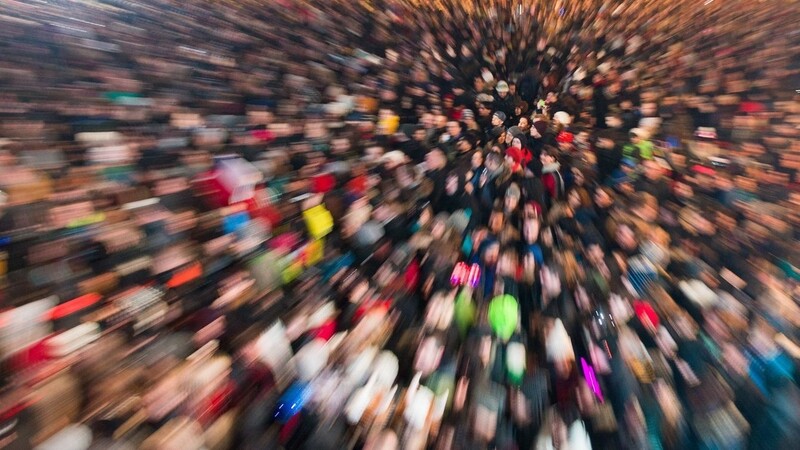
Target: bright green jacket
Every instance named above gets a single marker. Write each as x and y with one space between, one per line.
642 150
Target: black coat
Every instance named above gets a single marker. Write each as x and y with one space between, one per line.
608 161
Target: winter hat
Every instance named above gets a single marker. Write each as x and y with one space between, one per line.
565 137
516 132
323 183
558 343
513 191
504 316
640 133
394 157
520 156
467 114
562 118
500 115
484 98
502 86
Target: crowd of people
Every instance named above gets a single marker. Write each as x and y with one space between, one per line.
399 225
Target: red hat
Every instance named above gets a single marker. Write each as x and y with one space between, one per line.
703 170
323 183
263 135
565 137
519 155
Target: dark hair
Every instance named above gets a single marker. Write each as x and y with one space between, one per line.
550 151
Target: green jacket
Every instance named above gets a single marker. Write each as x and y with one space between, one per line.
642 150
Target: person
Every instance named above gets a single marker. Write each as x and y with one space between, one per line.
551 175
639 147
416 147
494 181
552 104
654 181
701 286
476 171
449 140
609 155
485 117
497 129
524 124
519 110
462 159
472 129
456 198
436 172
517 159
503 102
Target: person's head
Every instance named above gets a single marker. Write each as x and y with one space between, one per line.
464 145
502 89
494 161
436 159
528 267
427 120
574 199
508 139
605 142
452 183
477 159
626 237
468 116
508 261
492 252
496 221
512 88
517 158
511 199
524 123
530 229
578 177
479 84
548 155
603 197
565 141
484 110
652 170
532 210
614 121
447 101
538 128
552 97
516 142
683 190
419 134
441 121
340 145
498 118
453 128
582 138
637 135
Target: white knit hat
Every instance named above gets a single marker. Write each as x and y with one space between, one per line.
562 118
559 344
